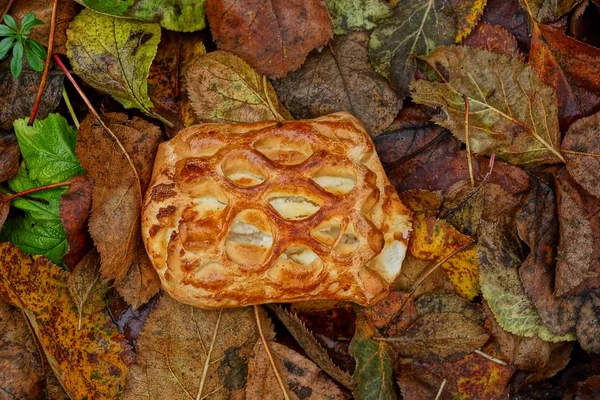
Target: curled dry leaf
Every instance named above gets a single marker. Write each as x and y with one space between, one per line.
516 119
224 88
339 78
581 147
126 49
278 37
439 336
186 352
75 206
21 370
416 28
89 362
302 378
356 15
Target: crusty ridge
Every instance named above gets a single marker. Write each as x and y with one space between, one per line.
240 214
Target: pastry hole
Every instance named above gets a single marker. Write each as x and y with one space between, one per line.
328 231
293 207
348 243
250 238
284 148
300 255
335 180
240 170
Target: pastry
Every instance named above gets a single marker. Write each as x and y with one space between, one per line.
242 214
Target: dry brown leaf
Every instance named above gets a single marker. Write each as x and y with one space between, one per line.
273 36
302 378
494 38
9 155
339 78
141 282
185 352
75 206
86 287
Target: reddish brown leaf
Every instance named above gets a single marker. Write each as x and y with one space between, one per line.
494 38
9 155
75 206
273 36
590 389
397 309
509 15
4 208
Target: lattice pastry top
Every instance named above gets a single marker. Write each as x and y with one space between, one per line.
240 214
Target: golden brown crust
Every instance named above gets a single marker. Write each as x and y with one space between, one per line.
240 214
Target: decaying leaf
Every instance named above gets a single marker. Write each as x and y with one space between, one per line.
449 303
273 36
339 78
512 113
89 362
373 377
416 28
502 289
494 38
224 88
21 372
86 287
302 378
467 14
9 155
355 15
141 282
113 55
439 336
581 147
186 352
75 206
548 10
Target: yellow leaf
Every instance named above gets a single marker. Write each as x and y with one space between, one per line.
89 362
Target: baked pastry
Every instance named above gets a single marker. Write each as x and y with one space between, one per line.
240 214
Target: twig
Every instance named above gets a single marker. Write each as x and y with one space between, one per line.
277 116
268 350
493 359
37 189
40 92
468 141
70 107
439 393
6 9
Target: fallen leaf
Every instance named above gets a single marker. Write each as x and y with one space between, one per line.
393 314
86 287
516 119
590 389
439 336
352 15
43 11
449 303
141 282
274 37
4 209
339 78
177 15
581 147
495 39
502 289
188 352
302 378
548 10
511 16
75 206
113 55
415 29
18 94
223 88
89 361
309 344
9 156
21 372
117 193
373 377
467 14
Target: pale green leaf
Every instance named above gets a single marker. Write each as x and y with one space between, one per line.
354 15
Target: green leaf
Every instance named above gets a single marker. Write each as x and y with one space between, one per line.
6 31
10 22
373 377
36 237
502 288
16 64
177 15
48 148
34 61
5 46
512 113
354 15
37 48
36 209
113 55
27 19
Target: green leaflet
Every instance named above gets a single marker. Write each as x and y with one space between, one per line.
373 377
354 15
502 289
177 15
36 210
114 55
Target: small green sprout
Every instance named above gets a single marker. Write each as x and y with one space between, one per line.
17 40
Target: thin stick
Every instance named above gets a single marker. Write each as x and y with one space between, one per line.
468 141
37 189
38 98
439 393
268 350
70 107
493 359
278 116
6 9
